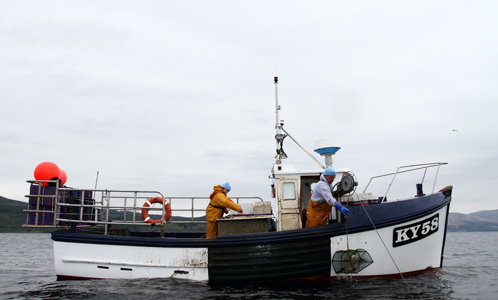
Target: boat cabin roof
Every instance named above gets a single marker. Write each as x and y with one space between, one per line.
285 170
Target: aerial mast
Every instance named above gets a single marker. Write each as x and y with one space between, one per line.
277 107
279 137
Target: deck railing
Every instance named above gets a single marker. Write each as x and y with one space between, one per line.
51 206
409 168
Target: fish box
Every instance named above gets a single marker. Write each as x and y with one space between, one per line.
262 208
243 224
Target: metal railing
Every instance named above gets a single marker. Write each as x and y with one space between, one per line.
108 207
409 168
192 208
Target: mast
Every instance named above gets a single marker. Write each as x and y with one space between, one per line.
277 107
279 137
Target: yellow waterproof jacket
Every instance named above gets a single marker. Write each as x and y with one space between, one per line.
219 202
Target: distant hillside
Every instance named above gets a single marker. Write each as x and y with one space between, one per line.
12 218
479 221
487 214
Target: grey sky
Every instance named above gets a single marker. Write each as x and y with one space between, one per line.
178 96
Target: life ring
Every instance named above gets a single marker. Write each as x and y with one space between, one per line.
148 203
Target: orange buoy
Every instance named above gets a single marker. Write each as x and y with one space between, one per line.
148 203
46 171
62 176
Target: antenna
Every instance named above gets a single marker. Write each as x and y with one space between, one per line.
277 107
327 148
279 137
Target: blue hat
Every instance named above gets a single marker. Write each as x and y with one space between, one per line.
329 172
227 186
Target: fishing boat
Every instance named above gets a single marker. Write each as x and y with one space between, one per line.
104 234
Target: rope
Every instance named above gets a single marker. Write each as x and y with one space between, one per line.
347 235
392 258
347 239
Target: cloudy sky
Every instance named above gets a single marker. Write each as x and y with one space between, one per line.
178 96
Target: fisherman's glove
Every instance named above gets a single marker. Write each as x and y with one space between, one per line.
343 210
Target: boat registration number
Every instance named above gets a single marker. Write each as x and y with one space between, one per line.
416 231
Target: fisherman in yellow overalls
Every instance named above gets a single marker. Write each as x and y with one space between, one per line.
217 206
321 201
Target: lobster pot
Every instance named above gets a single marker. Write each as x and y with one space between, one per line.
41 205
82 205
72 205
351 261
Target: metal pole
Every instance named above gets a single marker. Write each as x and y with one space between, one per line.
277 107
277 122
97 179
306 151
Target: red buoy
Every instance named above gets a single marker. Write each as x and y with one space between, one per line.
62 177
47 171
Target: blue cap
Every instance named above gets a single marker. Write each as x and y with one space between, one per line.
329 172
227 186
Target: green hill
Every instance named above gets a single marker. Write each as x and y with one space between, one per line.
12 217
486 214
479 221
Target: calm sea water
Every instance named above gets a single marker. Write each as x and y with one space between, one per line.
470 272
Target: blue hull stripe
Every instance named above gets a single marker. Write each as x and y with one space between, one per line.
383 215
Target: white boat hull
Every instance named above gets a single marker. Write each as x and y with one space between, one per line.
401 249
424 252
83 260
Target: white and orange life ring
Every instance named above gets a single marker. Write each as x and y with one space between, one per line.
148 203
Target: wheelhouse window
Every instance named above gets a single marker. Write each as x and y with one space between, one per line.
289 189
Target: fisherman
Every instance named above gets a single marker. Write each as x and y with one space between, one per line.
321 200
217 206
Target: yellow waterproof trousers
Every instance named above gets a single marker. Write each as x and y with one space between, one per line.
211 229
317 214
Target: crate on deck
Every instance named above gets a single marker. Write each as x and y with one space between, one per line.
42 208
